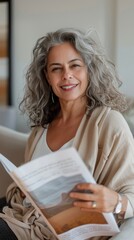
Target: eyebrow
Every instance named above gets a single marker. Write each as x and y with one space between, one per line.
59 64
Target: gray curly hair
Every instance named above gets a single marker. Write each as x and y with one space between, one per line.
103 83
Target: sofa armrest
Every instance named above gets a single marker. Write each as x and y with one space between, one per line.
12 146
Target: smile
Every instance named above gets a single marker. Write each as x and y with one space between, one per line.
68 87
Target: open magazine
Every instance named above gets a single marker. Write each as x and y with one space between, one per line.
47 182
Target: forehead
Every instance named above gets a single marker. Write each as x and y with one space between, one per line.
63 51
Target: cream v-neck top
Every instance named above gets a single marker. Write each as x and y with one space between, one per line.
42 147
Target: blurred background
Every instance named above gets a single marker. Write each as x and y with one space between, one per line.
31 19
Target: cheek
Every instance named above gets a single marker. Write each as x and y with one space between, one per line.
85 79
53 80
49 79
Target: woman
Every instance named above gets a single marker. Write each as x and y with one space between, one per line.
72 99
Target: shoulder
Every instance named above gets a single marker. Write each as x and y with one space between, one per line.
104 112
116 120
107 117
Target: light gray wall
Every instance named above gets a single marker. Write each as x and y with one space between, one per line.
125 44
33 18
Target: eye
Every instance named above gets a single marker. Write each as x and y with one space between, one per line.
56 69
76 66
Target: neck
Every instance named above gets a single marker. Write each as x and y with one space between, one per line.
71 111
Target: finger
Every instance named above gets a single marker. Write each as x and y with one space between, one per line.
90 187
85 205
83 196
90 206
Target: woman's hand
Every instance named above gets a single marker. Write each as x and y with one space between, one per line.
99 198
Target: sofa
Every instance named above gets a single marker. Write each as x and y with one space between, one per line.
12 146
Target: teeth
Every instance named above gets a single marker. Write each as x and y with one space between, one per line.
68 87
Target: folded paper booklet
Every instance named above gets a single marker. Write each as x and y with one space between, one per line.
47 182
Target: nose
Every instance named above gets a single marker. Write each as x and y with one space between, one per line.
67 74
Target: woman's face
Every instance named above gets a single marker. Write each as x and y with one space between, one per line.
66 72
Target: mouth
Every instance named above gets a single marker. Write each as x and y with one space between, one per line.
69 87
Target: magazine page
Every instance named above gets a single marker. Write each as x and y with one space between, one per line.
9 166
49 180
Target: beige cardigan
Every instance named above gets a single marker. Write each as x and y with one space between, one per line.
106 145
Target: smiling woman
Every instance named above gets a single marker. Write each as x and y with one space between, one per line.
5 52
72 98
